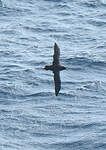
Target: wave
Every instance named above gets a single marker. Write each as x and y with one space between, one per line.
1 5
99 23
94 4
83 61
45 95
54 0
43 29
72 144
91 3
101 145
41 94
103 3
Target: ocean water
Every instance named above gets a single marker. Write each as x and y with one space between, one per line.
31 116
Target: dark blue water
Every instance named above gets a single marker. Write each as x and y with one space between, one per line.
31 116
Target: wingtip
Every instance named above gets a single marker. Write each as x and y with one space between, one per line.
55 44
56 93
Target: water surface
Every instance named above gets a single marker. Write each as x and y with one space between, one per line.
31 116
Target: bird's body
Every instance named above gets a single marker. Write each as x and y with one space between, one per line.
56 68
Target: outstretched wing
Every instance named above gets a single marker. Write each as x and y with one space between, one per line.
57 82
56 55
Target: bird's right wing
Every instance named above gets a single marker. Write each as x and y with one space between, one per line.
57 82
56 55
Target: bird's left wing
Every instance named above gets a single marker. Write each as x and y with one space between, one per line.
57 82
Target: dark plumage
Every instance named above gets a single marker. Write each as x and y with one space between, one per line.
56 68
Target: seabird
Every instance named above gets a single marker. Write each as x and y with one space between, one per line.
56 68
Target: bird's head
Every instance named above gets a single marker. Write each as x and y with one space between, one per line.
46 67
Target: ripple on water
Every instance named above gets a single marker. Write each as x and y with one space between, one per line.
31 116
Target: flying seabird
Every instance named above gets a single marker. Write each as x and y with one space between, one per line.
56 68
